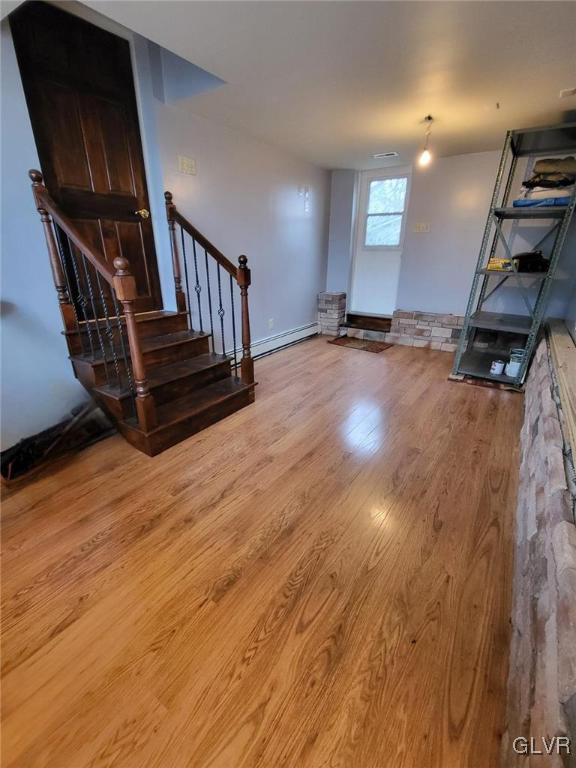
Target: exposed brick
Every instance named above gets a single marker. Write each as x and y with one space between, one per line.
542 678
437 331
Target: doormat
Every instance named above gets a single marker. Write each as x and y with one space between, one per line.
363 344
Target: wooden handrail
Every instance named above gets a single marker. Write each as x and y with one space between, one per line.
119 277
241 274
44 201
174 215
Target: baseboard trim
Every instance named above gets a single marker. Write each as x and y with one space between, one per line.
271 344
285 339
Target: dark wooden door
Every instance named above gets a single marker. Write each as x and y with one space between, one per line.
80 93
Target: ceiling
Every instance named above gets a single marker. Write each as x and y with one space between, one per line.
335 82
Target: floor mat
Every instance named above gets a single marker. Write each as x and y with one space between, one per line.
364 344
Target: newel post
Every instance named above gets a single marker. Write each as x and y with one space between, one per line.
247 364
66 308
170 210
125 288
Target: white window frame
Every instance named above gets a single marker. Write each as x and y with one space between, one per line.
366 215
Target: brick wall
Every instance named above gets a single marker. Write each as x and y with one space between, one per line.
425 329
331 312
542 678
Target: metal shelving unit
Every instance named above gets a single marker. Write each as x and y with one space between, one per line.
469 360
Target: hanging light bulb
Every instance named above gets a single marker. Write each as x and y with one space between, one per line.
426 156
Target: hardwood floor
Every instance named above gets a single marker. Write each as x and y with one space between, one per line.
321 580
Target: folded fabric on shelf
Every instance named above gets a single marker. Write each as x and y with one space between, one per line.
556 165
550 180
552 183
540 193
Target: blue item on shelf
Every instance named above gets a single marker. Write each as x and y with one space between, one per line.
546 202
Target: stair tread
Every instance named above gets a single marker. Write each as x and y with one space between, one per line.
163 374
141 317
150 343
196 402
155 314
166 339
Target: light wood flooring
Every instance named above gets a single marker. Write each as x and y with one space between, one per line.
321 580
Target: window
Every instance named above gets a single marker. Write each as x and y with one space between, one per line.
386 200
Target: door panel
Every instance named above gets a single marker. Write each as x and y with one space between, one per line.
80 94
63 105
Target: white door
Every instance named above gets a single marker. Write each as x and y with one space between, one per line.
382 202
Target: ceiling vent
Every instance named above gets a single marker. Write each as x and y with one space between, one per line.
385 155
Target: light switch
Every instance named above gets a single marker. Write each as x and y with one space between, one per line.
421 227
186 165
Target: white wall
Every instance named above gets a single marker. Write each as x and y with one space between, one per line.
341 229
245 199
452 195
38 386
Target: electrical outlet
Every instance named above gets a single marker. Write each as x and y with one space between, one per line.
186 165
271 324
421 227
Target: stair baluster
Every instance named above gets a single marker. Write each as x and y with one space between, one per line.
80 298
185 260
209 298
64 261
95 315
109 331
197 287
221 310
125 358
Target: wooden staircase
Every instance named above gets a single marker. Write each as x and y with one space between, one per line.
158 378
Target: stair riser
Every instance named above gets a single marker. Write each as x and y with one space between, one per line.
148 328
184 350
93 374
162 325
155 443
172 390
122 407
